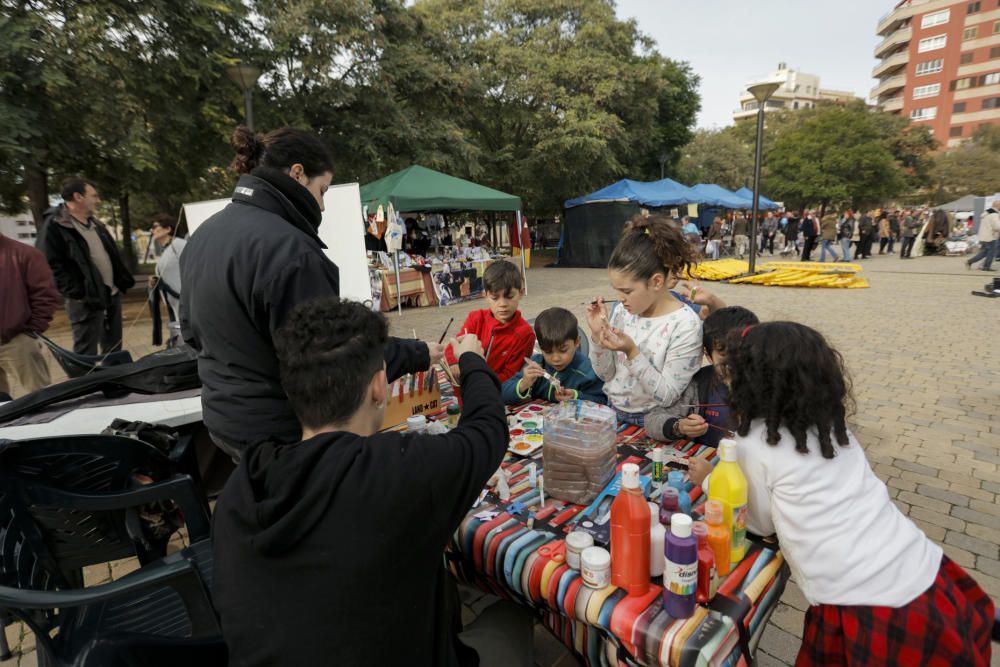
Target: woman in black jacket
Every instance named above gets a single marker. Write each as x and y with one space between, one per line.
246 269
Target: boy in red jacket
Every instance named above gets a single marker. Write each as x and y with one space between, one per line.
506 337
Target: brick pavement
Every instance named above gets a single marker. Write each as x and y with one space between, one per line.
927 399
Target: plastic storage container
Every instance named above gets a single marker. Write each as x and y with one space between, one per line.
579 450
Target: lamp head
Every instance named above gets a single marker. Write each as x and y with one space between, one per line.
763 90
243 74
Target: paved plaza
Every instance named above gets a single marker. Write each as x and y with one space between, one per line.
922 353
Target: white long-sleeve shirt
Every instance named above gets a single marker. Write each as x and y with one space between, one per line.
669 354
845 540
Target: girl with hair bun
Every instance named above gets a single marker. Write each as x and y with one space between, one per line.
649 347
881 592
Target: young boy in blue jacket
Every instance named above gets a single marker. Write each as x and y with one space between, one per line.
558 335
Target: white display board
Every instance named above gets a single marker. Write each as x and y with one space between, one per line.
343 232
200 211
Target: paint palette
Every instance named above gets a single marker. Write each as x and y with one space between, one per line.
526 430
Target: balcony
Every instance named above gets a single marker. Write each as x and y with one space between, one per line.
901 36
893 104
887 86
891 63
891 20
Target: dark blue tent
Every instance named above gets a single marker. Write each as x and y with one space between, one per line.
716 195
764 203
665 192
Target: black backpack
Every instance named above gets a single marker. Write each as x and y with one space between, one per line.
162 372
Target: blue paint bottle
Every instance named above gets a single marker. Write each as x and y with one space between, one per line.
675 478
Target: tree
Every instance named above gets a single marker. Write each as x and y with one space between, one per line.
130 94
840 154
561 96
717 156
971 168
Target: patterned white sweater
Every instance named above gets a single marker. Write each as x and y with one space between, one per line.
669 354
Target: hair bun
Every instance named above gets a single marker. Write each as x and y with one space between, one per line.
248 147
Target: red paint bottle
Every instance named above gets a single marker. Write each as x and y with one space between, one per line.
630 535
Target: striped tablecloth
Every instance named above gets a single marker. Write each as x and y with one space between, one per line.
605 627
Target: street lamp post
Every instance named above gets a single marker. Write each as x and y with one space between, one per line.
762 93
245 76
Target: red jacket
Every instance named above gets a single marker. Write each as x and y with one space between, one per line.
30 297
512 341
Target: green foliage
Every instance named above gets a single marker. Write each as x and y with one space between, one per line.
721 156
971 168
842 155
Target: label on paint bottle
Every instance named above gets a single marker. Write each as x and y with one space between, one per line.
680 578
739 527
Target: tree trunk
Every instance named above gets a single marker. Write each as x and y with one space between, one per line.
36 182
128 250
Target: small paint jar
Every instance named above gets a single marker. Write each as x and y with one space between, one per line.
595 567
416 424
576 542
454 412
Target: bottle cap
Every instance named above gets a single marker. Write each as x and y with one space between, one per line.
675 478
630 476
713 512
453 409
669 491
656 455
700 530
727 450
596 558
579 540
680 525
416 422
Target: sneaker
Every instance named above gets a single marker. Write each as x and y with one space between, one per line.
968 265
991 270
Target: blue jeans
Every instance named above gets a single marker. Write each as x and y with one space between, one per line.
845 248
827 245
632 418
987 251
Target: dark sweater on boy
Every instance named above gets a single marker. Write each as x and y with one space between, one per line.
713 395
579 376
338 541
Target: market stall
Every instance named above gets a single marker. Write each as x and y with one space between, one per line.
449 272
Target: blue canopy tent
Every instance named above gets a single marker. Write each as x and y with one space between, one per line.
665 192
763 203
593 223
717 196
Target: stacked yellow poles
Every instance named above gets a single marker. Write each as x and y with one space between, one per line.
785 274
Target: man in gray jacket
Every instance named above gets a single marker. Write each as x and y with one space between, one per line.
989 238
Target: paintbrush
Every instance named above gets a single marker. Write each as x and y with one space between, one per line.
546 375
445 333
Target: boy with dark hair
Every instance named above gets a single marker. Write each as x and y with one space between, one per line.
707 397
505 336
338 540
559 337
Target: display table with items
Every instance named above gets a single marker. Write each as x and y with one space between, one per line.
521 544
432 281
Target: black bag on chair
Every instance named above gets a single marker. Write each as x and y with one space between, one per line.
171 370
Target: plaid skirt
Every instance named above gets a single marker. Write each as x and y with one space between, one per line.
950 624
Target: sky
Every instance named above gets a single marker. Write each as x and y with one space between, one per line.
731 42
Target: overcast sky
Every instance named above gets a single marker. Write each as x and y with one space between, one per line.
731 42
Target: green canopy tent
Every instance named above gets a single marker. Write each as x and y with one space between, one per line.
418 189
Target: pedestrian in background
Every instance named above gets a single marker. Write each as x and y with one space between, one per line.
769 230
30 299
910 228
989 238
884 234
810 230
740 227
845 233
828 235
88 268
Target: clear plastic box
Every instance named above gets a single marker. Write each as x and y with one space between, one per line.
579 450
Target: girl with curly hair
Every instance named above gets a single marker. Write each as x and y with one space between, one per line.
649 347
882 593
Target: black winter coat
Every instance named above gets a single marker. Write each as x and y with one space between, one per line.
69 257
244 271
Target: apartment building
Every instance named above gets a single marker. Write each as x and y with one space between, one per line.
939 64
798 91
20 227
